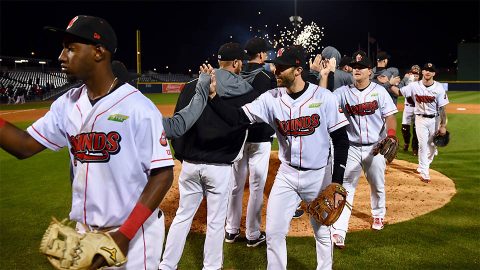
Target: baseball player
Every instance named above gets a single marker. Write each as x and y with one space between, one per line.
256 154
430 101
121 160
208 151
371 113
303 116
408 117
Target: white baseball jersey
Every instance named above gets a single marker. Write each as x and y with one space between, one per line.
427 99
112 144
296 121
366 111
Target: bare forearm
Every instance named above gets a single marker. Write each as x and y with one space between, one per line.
443 116
391 122
156 188
18 142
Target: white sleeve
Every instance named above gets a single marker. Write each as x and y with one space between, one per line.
152 144
257 111
50 130
406 90
335 118
442 97
386 104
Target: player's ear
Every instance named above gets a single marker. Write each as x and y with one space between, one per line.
100 52
298 71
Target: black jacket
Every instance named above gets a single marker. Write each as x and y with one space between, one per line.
262 81
211 139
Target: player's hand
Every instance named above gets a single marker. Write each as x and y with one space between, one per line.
338 198
382 79
325 68
315 64
122 242
395 80
442 130
332 64
207 69
213 86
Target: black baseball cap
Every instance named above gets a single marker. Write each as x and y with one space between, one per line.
231 51
289 56
256 45
382 56
430 67
92 29
346 60
360 59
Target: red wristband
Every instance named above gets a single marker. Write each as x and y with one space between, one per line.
391 132
135 220
2 122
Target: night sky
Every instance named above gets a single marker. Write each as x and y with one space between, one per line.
183 34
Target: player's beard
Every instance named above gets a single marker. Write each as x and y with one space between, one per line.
286 80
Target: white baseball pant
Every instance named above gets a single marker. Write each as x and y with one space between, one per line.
256 157
408 116
360 157
426 129
290 187
145 249
195 181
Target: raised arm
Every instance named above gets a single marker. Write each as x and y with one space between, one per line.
18 142
230 114
183 120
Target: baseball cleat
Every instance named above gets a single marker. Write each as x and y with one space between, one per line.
231 237
377 224
425 178
253 243
415 152
298 213
405 147
338 241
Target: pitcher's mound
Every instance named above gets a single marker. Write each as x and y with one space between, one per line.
407 197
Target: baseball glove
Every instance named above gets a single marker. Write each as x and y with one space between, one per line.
322 208
441 140
388 147
65 248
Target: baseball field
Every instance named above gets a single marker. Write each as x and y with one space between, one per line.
33 190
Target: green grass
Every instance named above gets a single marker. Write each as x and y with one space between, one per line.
26 106
169 98
32 190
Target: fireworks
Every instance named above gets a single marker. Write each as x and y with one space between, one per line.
308 35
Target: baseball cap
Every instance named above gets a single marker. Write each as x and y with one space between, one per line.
346 60
231 51
382 56
430 67
360 59
256 45
93 29
289 56
415 68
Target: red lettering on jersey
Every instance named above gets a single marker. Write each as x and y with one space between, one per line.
94 146
425 99
302 126
163 139
362 109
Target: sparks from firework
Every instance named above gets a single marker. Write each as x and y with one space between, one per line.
309 35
